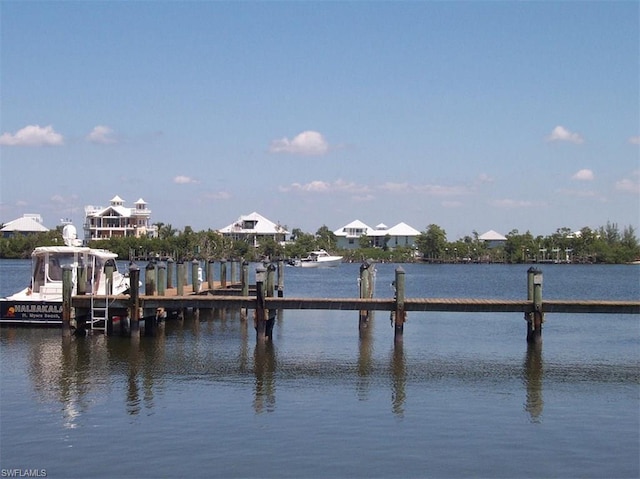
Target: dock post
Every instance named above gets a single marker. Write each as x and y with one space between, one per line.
271 314
81 287
223 273
109 267
233 271
171 271
210 277
195 277
400 313
536 317
365 293
67 290
134 280
162 278
150 279
280 277
260 312
181 277
244 282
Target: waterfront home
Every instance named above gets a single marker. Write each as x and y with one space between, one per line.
348 237
493 239
29 224
117 221
254 227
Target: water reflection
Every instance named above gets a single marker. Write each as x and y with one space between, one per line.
533 372
79 373
264 359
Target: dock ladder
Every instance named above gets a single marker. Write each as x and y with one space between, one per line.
99 314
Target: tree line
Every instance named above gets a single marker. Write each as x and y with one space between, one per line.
607 244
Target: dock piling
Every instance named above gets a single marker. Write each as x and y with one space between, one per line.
162 278
67 291
536 317
134 279
400 313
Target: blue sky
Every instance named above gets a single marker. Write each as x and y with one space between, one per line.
469 115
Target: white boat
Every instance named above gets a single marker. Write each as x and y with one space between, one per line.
40 302
317 259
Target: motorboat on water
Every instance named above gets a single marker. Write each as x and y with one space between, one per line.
40 302
317 259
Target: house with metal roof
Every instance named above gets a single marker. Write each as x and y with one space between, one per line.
117 220
30 223
493 239
348 237
253 228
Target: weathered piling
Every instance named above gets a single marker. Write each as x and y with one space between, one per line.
150 279
181 276
223 273
400 313
162 278
81 287
366 292
134 308
233 272
195 275
171 272
67 291
210 277
260 311
109 268
536 317
280 278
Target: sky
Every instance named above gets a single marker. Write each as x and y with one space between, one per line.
469 115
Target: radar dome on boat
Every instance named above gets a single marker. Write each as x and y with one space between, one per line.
70 236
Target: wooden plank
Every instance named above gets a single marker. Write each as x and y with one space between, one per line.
470 305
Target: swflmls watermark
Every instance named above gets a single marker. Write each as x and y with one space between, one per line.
23 472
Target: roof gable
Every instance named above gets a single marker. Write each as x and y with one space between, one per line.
492 236
27 223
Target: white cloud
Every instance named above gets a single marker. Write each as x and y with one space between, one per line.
183 180
307 143
32 135
102 135
629 185
560 133
509 203
323 187
634 140
218 195
583 175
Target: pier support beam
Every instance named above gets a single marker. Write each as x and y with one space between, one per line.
67 290
536 317
182 274
171 271
280 278
210 277
400 313
223 273
366 292
261 312
134 281
162 278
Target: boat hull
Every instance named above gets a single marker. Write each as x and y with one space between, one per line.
31 313
320 263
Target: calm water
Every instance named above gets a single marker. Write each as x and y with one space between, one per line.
461 397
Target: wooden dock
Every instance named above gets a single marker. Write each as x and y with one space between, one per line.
266 297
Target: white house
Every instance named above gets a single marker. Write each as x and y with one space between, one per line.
116 220
399 235
253 228
493 239
29 224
